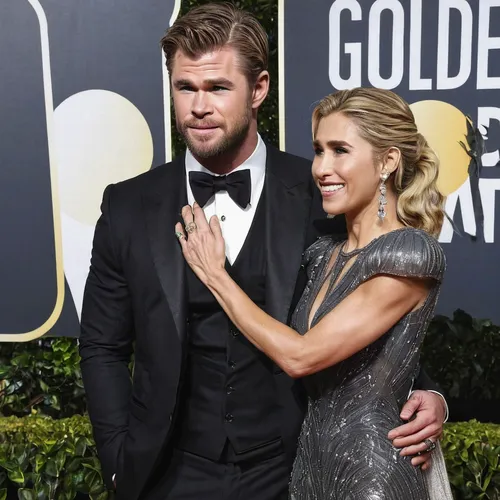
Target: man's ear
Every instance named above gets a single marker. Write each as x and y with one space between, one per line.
260 89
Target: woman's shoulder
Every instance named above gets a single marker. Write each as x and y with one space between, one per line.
408 252
319 248
409 237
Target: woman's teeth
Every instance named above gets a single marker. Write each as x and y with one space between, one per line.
334 187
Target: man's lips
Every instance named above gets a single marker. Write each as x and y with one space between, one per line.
203 130
202 126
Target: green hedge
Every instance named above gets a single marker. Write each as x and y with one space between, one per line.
472 452
45 458
43 376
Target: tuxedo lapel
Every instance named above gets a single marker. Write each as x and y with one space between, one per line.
288 202
162 209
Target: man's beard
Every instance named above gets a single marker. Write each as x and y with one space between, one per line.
228 143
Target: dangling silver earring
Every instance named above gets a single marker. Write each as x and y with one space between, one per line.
382 200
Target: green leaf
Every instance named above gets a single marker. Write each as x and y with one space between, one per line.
51 468
475 488
21 360
92 463
97 488
70 493
81 446
487 480
3 494
93 482
48 445
60 459
74 465
78 478
16 476
54 401
26 494
40 461
464 454
492 456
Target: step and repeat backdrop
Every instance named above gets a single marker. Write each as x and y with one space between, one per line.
84 102
443 57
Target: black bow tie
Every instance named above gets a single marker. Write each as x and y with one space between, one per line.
238 185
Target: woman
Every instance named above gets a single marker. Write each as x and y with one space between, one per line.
357 330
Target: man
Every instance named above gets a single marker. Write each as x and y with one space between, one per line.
206 415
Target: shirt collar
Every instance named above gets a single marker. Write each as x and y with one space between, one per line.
256 163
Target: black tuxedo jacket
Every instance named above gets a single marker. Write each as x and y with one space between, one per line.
135 300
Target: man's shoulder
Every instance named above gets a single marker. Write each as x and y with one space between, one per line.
290 168
291 159
154 175
151 180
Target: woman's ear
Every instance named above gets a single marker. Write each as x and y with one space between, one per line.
391 160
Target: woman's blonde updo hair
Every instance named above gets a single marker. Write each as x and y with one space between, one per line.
385 121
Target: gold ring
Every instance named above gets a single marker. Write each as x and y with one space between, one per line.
191 227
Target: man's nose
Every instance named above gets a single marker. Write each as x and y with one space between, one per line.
201 105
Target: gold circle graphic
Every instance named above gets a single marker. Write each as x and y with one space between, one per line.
444 126
101 138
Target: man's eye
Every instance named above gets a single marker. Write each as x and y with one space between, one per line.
318 151
218 88
340 151
186 88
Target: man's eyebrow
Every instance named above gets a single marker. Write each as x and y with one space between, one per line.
182 83
210 82
219 82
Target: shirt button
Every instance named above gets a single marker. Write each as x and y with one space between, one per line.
228 418
230 389
232 365
234 332
223 218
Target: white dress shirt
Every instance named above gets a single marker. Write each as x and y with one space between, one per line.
234 220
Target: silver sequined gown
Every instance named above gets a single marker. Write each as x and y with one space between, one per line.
343 451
